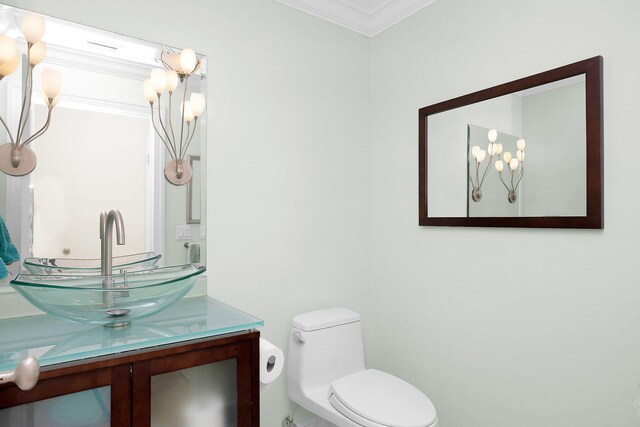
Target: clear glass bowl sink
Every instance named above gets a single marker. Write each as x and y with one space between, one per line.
83 299
85 267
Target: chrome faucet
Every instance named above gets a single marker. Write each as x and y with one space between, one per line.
107 221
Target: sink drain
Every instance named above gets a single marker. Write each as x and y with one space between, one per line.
117 312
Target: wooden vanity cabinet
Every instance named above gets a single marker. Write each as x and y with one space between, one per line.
129 376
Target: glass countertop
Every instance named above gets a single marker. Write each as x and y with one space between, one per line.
54 340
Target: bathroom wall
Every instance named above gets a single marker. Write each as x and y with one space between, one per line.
506 327
288 147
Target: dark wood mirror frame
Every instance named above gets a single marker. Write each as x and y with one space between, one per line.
592 69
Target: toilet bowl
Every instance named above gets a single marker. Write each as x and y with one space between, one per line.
326 375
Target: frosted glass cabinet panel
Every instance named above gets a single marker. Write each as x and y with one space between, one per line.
90 408
204 395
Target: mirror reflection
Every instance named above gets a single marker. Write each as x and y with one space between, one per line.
101 151
194 204
485 177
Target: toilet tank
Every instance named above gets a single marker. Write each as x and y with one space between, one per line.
324 345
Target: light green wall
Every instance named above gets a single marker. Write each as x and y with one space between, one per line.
506 327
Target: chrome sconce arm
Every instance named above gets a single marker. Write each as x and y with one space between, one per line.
178 68
16 158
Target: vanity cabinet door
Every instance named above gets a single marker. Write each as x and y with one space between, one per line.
210 386
93 398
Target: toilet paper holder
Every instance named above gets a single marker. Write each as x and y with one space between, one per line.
271 363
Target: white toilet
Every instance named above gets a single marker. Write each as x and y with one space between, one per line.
326 376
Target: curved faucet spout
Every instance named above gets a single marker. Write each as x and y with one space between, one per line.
115 218
107 221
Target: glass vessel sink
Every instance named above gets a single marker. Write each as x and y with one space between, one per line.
133 296
86 267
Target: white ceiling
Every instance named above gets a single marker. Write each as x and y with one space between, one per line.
368 17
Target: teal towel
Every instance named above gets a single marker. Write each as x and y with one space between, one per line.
8 252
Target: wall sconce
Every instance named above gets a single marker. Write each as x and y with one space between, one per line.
516 169
178 68
479 156
15 157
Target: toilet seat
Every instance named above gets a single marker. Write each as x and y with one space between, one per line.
374 398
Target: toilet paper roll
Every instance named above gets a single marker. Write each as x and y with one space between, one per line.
271 363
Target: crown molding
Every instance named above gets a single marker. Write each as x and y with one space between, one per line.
351 16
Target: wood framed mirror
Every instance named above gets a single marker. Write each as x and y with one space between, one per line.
528 153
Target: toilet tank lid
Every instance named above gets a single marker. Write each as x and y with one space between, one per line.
322 319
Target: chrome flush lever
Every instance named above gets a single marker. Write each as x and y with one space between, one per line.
298 336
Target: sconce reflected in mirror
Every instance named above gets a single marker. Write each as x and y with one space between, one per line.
479 156
515 166
16 158
178 68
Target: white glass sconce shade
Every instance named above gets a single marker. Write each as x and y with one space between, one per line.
33 28
149 91
499 165
197 104
37 53
188 61
492 135
51 83
474 151
513 164
8 49
520 155
481 155
507 157
185 110
158 80
521 144
172 80
172 60
9 67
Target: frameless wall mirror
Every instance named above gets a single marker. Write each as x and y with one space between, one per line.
101 151
527 153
